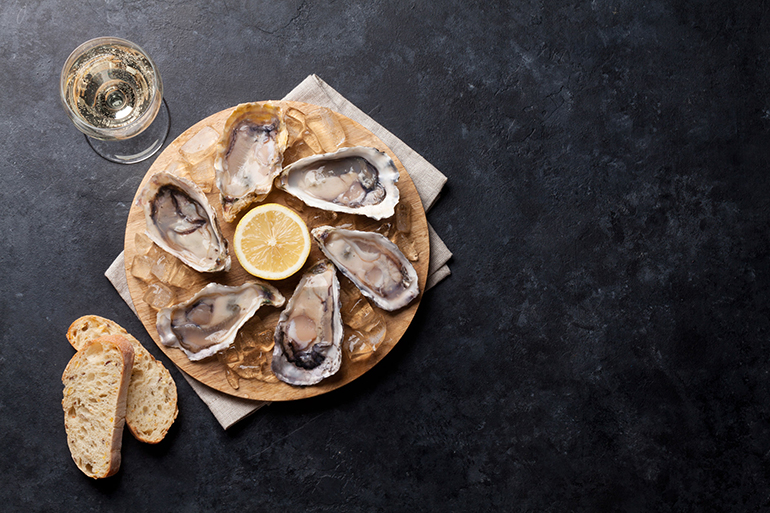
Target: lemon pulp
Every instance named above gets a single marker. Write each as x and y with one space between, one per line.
271 242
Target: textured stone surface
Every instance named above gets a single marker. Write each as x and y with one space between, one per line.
602 344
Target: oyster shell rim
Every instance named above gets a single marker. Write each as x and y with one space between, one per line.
320 233
169 339
338 329
231 209
385 167
154 184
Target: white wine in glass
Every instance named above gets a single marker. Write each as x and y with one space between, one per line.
113 93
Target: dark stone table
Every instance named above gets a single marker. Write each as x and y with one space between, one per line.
602 343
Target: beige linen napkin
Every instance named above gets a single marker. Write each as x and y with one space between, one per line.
427 179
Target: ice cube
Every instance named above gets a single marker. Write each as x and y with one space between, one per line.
142 243
309 138
179 275
323 123
200 146
265 340
171 271
159 295
230 356
251 366
365 328
255 365
295 124
162 267
377 334
249 357
403 217
357 345
359 314
179 168
232 378
407 247
203 175
245 342
141 267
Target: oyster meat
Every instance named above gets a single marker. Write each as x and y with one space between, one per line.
357 180
308 336
209 321
180 220
373 263
249 155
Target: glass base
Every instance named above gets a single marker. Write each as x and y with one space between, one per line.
140 147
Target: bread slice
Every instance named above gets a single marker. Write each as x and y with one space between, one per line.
152 399
95 389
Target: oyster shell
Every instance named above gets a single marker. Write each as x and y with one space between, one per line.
180 220
209 321
357 180
249 155
373 263
308 336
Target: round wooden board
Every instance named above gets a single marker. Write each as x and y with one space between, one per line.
212 371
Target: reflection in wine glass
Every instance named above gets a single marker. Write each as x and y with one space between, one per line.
113 93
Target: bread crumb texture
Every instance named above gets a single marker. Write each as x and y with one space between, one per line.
95 388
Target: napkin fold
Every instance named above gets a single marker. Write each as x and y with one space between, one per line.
428 181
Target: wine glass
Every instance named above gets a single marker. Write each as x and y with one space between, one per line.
113 93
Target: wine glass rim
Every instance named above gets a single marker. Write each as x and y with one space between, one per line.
80 50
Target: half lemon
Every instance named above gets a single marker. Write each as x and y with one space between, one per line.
271 242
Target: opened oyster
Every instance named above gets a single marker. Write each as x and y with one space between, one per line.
180 220
374 264
357 180
249 155
209 321
308 336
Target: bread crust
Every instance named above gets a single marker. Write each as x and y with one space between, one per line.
84 392
152 395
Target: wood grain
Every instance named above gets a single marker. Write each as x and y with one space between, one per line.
212 371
